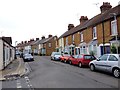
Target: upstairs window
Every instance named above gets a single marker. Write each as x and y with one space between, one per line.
49 45
66 40
73 38
81 37
113 27
94 33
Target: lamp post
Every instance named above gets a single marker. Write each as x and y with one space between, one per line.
115 34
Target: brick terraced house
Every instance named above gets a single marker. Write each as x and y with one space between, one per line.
96 35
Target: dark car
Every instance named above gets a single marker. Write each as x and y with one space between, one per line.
81 60
28 58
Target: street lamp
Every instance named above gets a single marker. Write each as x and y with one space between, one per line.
115 34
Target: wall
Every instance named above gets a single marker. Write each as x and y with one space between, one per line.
1 54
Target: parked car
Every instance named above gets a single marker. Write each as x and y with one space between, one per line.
55 56
28 58
81 60
108 63
65 58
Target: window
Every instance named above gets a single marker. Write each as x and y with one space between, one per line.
81 37
89 57
73 38
113 27
94 33
66 40
112 58
49 45
103 58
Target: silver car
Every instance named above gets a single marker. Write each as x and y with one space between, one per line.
108 63
55 56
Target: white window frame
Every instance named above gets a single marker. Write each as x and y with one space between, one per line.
66 40
73 38
94 33
114 28
49 45
81 37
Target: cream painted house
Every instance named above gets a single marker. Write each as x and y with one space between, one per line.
7 51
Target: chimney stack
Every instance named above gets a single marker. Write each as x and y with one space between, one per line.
70 26
22 42
83 19
106 6
37 39
43 37
49 35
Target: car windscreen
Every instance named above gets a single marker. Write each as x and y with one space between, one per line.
28 55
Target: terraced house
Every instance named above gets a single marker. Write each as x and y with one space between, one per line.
98 35
7 51
45 46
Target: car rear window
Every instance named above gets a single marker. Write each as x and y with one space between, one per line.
89 57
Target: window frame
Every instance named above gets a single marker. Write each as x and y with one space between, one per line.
94 33
81 37
113 25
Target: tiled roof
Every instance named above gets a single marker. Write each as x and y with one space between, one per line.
93 21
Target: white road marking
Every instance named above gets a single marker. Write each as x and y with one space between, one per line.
19 84
29 83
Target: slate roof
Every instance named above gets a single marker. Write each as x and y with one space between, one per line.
93 21
7 40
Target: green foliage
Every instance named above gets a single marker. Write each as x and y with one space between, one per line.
92 53
113 49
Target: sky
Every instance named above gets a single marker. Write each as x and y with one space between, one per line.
26 19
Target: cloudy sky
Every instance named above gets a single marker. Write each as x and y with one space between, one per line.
26 19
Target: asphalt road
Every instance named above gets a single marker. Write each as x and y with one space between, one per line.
55 74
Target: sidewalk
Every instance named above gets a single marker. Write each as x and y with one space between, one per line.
15 67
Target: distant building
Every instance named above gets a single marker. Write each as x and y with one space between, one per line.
7 51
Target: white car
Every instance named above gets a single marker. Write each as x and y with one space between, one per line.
28 58
108 63
55 56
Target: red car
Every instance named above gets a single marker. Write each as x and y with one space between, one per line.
65 58
81 60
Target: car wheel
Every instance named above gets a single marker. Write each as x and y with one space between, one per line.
80 64
70 62
92 67
116 72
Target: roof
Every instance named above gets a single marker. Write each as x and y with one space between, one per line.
93 21
41 41
7 40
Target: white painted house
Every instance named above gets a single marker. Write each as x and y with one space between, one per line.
7 51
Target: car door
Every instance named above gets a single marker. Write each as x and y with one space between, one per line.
101 63
112 61
74 61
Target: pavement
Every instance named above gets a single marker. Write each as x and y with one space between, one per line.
15 68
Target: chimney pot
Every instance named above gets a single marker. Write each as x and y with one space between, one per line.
106 6
70 26
83 19
49 36
37 39
43 37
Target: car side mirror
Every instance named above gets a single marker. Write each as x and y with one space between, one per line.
98 59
